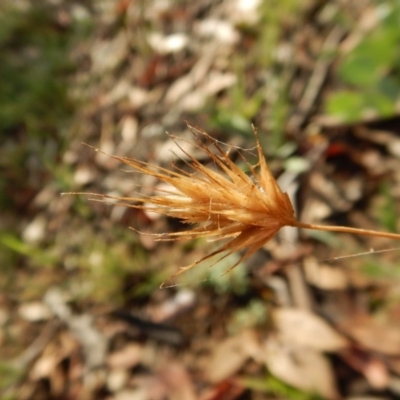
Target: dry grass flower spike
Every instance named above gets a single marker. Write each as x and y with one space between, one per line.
224 203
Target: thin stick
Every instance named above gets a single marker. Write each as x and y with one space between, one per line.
357 231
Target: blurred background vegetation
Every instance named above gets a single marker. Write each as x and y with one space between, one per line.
101 72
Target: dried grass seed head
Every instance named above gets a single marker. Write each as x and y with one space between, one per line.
223 203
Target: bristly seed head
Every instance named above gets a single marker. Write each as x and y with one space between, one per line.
246 211
225 203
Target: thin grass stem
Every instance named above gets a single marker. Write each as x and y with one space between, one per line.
345 229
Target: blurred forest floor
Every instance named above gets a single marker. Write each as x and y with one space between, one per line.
310 316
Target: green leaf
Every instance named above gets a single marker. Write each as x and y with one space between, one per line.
387 212
370 60
380 104
345 105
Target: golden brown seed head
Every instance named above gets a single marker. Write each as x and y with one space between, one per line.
222 203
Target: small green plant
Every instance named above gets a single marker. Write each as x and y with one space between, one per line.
370 72
387 210
33 72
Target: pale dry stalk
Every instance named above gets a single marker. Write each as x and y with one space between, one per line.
223 204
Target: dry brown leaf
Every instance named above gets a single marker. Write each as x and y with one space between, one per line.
52 356
381 336
108 54
324 276
129 130
177 381
44 365
128 357
229 389
394 364
374 369
303 328
141 393
34 311
117 379
377 374
231 354
303 368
